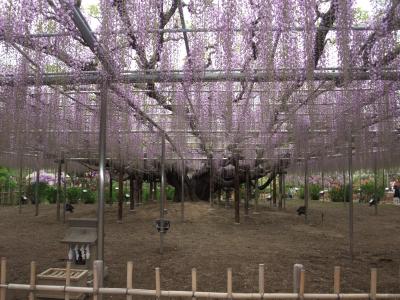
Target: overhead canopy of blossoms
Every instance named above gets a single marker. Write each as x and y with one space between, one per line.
270 80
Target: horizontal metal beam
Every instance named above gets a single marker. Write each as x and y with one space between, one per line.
86 78
180 30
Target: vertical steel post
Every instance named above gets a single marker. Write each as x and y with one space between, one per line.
306 192
183 192
375 184
110 192
65 198
248 192
237 189
256 196
37 191
102 162
59 186
211 181
162 192
351 225
20 187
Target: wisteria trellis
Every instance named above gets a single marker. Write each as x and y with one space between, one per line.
309 79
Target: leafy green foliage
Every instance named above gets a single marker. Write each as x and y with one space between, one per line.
368 191
42 191
88 196
6 179
314 190
74 194
51 194
93 10
337 193
361 15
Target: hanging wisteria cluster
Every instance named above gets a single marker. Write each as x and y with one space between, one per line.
277 82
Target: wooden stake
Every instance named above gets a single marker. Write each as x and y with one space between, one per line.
302 281
158 283
3 273
336 280
373 284
32 281
194 281
129 278
97 279
296 277
67 278
261 278
229 283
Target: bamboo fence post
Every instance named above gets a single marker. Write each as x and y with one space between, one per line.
3 274
296 277
194 282
229 283
373 284
97 278
67 279
129 278
158 283
32 281
302 283
336 280
261 279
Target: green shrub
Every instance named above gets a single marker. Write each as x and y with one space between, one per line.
88 197
368 191
169 192
337 193
314 190
146 192
73 194
51 194
42 191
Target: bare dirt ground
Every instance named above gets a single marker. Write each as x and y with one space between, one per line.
209 241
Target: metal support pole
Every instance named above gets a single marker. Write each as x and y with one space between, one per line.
211 181
274 191
162 192
351 226
237 190
183 192
120 192
59 186
132 187
110 192
65 198
37 191
323 185
280 203
344 187
20 187
306 192
10 200
256 197
102 162
248 193
284 190
375 185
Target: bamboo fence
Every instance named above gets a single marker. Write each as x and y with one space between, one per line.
97 290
